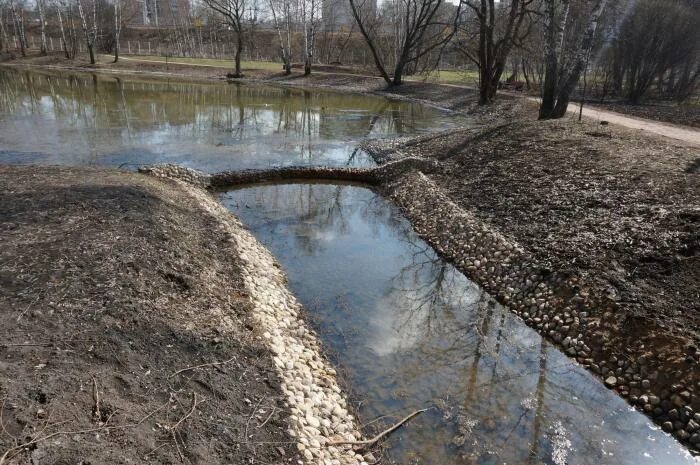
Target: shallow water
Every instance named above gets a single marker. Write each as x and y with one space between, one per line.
409 331
84 119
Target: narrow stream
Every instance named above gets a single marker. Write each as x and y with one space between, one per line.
409 331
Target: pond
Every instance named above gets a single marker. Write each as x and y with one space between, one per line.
84 119
409 331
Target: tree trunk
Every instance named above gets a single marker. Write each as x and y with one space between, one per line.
5 42
569 78
42 20
117 29
19 29
237 58
64 42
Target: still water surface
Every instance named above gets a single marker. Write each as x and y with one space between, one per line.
408 329
410 332
83 119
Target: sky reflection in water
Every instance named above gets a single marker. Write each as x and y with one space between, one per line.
410 332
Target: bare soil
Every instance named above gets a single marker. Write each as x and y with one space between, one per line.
616 207
111 284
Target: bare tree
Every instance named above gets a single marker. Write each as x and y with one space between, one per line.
117 27
284 37
64 42
89 27
657 42
4 39
421 26
42 20
233 14
561 78
309 19
18 20
500 29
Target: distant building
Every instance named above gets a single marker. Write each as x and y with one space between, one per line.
337 14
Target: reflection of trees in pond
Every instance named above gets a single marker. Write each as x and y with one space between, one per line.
300 118
456 324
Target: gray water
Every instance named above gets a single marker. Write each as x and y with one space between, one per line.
84 119
409 331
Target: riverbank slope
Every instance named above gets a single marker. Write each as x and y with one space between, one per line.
114 286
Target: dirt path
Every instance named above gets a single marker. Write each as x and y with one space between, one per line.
681 133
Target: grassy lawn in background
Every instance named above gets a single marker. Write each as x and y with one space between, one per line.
463 77
441 76
214 62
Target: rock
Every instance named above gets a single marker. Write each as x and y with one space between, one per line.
667 426
610 381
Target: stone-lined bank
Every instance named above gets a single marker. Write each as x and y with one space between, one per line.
319 410
561 307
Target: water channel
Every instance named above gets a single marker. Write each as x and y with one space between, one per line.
406 329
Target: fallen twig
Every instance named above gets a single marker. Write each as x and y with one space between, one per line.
274 409
203 365
36 440
378 437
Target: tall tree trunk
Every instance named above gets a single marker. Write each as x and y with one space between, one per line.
18 20
582 55
239 51
560 83
4 39
64 42
370 43
42 20
90 32
117 28
551 57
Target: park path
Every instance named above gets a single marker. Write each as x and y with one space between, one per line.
684 134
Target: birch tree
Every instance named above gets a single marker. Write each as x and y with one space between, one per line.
309 19
4 39
59 6
18 21
233 14
561 77
89 28
284 35
117 27
42 19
